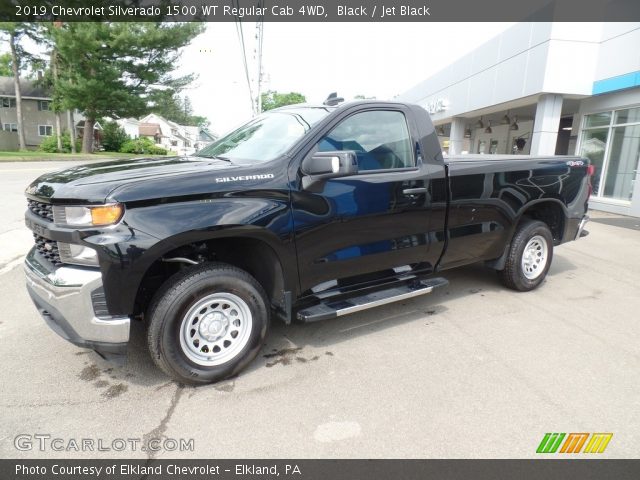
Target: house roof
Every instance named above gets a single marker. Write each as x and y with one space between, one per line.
96 125
149 129
206 135
28 88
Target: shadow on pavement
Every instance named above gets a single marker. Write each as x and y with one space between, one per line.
285 343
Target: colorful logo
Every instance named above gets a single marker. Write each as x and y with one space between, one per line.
574 442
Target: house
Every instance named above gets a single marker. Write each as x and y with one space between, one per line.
166 133
97 133
203 137
130 126
38 119
181 139
150 130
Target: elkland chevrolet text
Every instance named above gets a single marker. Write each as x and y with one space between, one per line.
304 213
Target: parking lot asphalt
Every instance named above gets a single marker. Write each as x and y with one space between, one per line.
471 371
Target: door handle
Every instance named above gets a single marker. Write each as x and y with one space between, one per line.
414 191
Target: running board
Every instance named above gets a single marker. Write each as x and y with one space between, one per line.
338 308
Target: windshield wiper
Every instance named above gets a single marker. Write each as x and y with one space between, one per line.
216 157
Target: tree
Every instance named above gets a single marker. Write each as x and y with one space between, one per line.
167 104
15 33
113 137
170 105
272 99
5 65
114 69
50 79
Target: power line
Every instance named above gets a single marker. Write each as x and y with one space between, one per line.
260 36
240 33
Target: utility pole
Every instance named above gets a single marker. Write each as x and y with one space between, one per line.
253 83
258 50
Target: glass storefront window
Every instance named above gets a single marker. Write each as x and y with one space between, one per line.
623 161
614 149
597 120
629 115
594 145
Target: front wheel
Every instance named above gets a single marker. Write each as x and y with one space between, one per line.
529 256
207 323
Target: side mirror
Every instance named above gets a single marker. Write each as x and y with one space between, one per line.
325 165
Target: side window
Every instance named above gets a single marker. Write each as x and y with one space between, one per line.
380 139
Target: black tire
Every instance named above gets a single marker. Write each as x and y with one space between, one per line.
177 298
513 275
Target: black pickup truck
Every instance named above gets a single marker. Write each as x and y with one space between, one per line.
305 213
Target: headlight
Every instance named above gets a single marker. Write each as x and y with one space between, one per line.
77 254
87 216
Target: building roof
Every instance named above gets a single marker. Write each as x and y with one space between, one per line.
149 129
206 136
96 125
28 88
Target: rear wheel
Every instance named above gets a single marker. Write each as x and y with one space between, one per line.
529 256
207 323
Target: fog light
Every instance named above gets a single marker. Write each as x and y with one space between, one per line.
77 254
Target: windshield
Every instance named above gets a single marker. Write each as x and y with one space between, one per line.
265 137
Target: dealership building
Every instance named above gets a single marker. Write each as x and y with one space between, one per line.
545 89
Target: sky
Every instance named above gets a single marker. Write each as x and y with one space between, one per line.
372 59
378 60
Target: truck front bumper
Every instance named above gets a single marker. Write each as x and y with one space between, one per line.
63 296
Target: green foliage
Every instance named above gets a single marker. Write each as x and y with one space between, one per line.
50 144
113 68
16 33
272 99
142 145
113 137
170 105
5 65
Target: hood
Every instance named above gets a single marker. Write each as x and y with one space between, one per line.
95 182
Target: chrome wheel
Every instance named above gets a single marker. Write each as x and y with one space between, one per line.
215 329
534 257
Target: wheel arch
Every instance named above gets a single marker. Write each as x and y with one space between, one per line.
253 250
547 210
550 211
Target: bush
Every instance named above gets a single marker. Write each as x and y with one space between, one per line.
113 137
142 145
50 144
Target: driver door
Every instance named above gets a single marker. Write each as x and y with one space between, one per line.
358 228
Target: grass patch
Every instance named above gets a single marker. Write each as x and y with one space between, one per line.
37 156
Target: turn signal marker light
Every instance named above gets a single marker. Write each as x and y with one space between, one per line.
106 215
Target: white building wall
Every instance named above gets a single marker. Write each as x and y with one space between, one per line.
525 60
617 54
528 64
529 59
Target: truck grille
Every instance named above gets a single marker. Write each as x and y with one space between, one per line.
47 248
43 210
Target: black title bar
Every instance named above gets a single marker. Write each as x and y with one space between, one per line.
119 469
320 10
